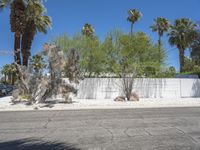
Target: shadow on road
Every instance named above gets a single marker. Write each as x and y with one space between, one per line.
35 144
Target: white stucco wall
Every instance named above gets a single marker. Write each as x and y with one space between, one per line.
109 88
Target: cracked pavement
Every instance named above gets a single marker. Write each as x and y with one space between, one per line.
134 129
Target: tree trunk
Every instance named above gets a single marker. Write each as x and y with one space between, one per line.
131 29
159 48
17 48
26 58
13 79
25 49
181 59
27 39
9 78
5 78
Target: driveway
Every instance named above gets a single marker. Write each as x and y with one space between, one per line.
125 129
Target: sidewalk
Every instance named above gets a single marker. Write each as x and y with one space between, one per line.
6 105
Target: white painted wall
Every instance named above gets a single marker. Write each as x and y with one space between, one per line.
109 88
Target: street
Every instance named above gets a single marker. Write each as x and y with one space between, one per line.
124 129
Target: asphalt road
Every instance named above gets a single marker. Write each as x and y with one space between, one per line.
130 129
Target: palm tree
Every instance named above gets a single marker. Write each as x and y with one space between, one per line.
161 25
195 49
4 71
9 71
181 36
38 63
17 22
12 73
133 16
36 21
88 30
26 18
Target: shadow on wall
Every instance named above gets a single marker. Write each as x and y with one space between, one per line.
88 88
35 144
196 89
150 88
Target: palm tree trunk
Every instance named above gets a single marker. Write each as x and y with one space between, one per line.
17 48
27 39
131 29
13 79
5 78
159 48
26 58
9 78
181 59
26 44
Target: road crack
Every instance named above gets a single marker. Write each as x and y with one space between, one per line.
49 120
125 132
109 131
195 141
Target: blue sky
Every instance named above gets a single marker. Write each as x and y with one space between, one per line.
69 16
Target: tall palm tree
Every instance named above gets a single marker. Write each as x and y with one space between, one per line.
88 30
181 35
36 21
133 16
17 22
26 18
161 25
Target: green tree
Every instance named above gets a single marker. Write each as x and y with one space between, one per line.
161 25
91 57
133 16
89 50
64 42
130 56
189 65
182 35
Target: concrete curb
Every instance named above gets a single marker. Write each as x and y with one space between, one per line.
79 104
